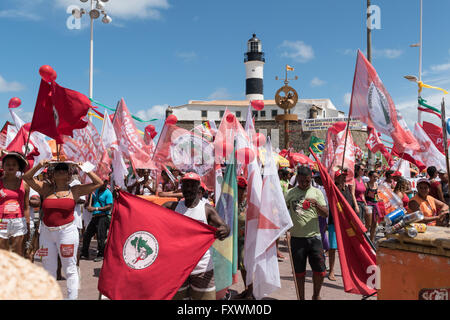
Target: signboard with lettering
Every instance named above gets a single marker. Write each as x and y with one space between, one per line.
434 294
320 124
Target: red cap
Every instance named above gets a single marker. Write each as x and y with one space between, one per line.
203 185
396 174
242 182
339 173
191 176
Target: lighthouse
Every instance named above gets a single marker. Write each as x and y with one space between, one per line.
254 67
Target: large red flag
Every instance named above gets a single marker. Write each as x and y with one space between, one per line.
355 253
372 104
150 250
59 111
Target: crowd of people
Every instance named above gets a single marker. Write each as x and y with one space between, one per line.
47 211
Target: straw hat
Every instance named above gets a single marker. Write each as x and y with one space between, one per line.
22 280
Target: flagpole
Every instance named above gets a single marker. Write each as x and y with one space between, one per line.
444 134
288 240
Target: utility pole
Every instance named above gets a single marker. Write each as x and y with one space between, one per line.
371 160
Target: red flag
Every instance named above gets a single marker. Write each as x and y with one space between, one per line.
334 150
144 258
19 142
355 253
435 134
372 104
44 119
130 141
407 157
374 144
59 111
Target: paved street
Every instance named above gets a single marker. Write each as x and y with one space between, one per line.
331 290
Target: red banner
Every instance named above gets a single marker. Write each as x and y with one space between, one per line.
130 141
145 258
435 134
356 256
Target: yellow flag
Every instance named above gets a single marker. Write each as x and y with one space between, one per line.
289 68
423 85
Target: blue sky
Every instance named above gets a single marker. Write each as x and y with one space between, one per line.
165 52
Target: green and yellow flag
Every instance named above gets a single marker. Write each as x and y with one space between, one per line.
316 144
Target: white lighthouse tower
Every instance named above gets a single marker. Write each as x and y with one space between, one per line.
254 68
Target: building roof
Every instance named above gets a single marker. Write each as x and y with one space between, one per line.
244 103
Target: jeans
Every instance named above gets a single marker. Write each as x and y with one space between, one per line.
99 225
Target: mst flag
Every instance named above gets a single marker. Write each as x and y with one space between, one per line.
150 250
374 144
355 253
372 104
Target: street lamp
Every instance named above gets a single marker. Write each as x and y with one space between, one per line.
97 8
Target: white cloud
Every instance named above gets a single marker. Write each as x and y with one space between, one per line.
186 56
13 86
316 82
157 111
220 94
376 53
297 50
347 98
129 9
387 53
440 67
19 14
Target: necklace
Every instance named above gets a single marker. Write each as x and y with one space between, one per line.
59 197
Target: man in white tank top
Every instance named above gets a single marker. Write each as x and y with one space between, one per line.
200 283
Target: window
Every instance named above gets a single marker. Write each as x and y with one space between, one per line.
221 113
204 113
255 114
263 114
238 114
274 113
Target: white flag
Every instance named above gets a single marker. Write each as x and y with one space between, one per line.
109 137
274 220
119 169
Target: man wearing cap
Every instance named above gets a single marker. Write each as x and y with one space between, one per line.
433 209
435 184
200 284
305 204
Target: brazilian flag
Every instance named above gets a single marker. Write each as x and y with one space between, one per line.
317 145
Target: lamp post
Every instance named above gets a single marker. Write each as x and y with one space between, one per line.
419 45
97 8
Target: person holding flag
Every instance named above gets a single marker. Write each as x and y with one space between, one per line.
200 283
14 205
305 203
58 233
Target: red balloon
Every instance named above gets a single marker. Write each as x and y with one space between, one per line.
171 119
150 128
230 117
47 73
14 102
257 104
259 140
153 134
245 155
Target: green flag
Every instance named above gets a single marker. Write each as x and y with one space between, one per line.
316 144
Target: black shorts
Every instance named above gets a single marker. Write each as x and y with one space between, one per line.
310 248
